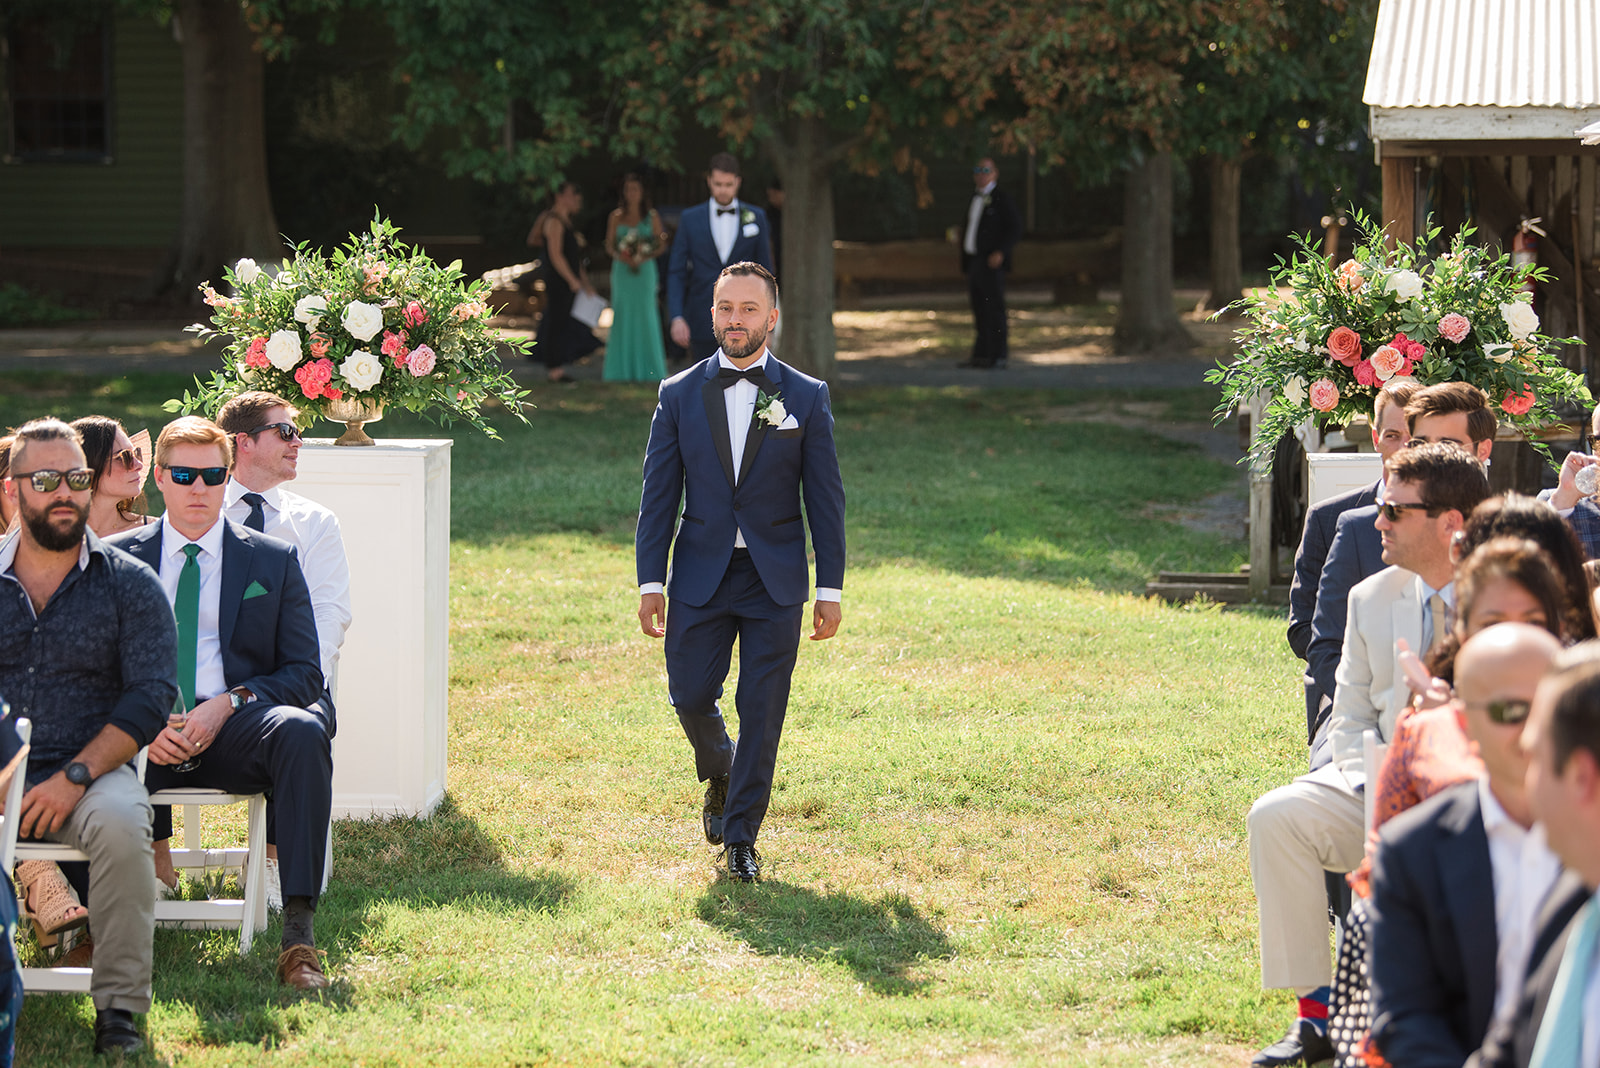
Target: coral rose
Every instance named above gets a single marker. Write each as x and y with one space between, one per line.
1454 327
256 354
1324 395
1518 403
1365 375
319 344
1344 345
1387 361
1348 277
415 314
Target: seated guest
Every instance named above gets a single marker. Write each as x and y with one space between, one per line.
1315 824
247 669
1458 880
7 512
88 653
1557 1018
1576 508
118 464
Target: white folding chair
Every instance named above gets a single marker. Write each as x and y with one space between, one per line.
248 914
1372 753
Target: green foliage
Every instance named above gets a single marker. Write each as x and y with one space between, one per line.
20 306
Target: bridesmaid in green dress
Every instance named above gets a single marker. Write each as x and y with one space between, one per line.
634 238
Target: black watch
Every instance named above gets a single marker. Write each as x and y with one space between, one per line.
78 774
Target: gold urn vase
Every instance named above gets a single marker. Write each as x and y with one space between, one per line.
354 413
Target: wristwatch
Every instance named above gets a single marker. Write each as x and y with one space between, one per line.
239 696
78 774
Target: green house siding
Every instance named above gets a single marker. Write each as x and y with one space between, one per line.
132 201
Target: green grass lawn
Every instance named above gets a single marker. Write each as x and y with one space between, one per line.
1008 822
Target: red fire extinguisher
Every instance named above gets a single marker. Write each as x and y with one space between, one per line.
1525 248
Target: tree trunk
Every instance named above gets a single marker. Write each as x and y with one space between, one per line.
805 163
227 207
1227 267
1147 320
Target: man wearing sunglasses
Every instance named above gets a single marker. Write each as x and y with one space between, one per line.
991 232
1315 824
248 669
87 652
1458 881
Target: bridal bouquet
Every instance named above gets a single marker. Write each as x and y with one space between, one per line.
636 244
376 322
1325 348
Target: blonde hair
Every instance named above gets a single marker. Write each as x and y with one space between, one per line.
193 430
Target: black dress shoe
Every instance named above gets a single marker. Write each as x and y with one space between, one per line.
744 863
711 812
114 1029
1304 1044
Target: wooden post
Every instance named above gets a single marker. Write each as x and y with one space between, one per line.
1261 548
1399 200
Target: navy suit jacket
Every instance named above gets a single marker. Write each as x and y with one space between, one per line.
689 460
1584 520
269 640
693 264
1433 933
1315 540
1355 553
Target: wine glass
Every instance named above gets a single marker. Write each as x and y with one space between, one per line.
177 721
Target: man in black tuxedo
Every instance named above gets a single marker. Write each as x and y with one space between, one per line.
249 669
991 232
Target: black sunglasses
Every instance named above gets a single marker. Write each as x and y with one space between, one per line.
1393 512
1508 712
45 480
286 431
1593 440
185 476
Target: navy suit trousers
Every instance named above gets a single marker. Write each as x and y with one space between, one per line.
699 648
285 753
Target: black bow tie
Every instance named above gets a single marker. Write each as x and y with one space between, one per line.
727 376
727 211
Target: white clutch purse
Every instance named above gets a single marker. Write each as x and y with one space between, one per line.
586 308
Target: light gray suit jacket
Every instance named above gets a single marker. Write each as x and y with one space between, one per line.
1371 690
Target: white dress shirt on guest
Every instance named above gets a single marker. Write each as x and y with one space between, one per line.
314 530
1524 869
209 677
739 401
969 244
724 227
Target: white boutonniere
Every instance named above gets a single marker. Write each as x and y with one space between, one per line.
987 199
747 217
770 409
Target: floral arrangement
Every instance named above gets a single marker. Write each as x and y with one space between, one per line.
636 244
1326 348
377 321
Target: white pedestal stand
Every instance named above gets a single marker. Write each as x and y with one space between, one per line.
393 504
1333 473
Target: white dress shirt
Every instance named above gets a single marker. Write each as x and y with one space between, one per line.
739 401
1523 869
209 678
314 530
724 228
969 244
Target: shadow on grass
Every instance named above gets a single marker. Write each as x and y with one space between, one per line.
880 941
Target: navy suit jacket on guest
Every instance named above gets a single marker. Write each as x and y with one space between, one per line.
1315 540
693 264
268 631
1433 934
689 459
1584 520
1355 553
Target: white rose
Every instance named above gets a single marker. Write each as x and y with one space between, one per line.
1499 353
362 370
1294 391
308 310
1520 319
363 320
1407 285
246 271
776 412
285 280
283 349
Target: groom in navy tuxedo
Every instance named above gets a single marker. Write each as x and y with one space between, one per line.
710 236
740 440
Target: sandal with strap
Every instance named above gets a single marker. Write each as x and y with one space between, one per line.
50 899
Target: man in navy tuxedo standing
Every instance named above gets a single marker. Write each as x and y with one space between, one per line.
993 227
710 236
740 440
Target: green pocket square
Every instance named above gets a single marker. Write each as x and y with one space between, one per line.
255 589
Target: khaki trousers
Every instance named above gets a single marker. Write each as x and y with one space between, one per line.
112 825
1315 824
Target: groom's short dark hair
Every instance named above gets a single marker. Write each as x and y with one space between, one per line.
726 162
736 270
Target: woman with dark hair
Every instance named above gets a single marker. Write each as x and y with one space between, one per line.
634 238
117 503
5 466
1516 516
561 339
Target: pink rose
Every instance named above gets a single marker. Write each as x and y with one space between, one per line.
1387 361
310 384
394 345
1454 327
1518 403
319 344
1324 395
414 314
421 362
375 273
256 354
1344 345
333 394
1407 369
461 395
1365 375
1348 277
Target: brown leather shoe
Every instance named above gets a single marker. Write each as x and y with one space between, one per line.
301 968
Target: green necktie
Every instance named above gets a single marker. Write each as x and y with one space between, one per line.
1560 1041
187 609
